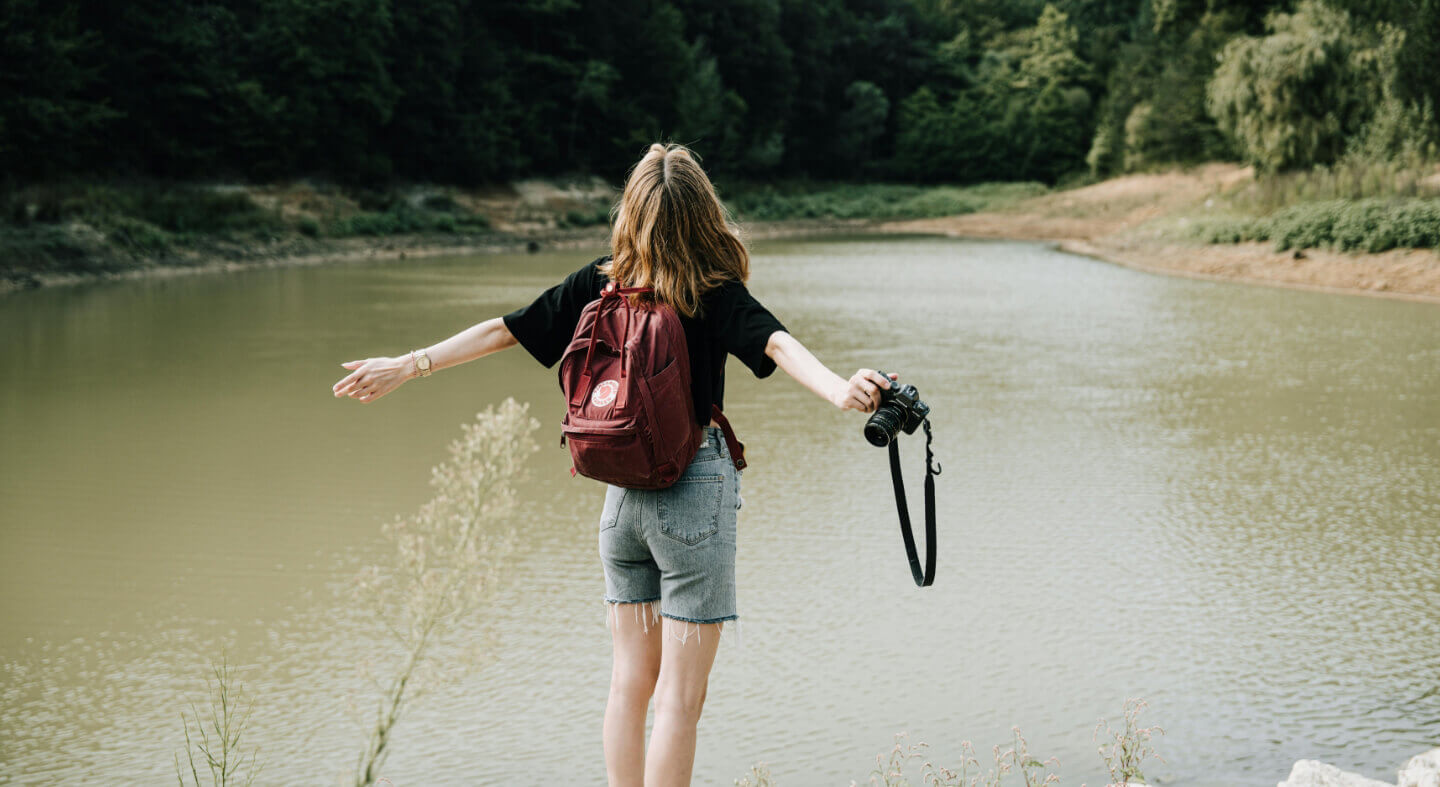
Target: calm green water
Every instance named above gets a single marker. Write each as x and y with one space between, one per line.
1224 499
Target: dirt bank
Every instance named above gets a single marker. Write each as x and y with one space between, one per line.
410 247
523 216
1132 221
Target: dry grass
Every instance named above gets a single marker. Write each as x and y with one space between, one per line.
447 555
1124 751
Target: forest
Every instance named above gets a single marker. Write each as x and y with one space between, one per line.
465 92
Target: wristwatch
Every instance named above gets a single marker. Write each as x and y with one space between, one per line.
422 362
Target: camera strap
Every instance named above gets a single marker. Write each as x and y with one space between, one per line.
926 576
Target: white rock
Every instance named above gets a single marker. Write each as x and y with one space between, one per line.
1313 773
1423 770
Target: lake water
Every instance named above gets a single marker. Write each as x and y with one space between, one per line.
1224 499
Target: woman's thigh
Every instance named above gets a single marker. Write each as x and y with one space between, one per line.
635 635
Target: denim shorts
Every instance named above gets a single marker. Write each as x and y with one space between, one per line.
674 548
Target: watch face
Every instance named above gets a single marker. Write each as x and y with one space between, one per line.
424 363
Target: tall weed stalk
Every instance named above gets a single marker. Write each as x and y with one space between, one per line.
447 556
217 740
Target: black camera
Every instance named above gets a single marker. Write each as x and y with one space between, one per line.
900 408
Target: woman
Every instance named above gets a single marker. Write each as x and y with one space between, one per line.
669 553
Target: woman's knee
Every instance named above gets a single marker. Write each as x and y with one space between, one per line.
676 699
634 675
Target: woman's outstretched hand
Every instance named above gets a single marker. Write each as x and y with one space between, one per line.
862 391
372 378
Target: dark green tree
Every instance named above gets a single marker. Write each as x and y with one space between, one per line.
52 109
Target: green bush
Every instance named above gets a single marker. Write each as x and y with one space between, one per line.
49 248
473 221
373 224
442 203
580 218
402 220
175 209
202 210
1371 225
138 237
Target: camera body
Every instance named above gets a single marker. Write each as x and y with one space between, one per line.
900 408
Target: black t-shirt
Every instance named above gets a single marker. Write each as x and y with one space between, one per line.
731 321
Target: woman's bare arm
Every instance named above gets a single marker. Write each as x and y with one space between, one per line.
372 378
861 392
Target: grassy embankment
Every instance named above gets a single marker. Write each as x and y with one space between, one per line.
1363 227
76 232
68 231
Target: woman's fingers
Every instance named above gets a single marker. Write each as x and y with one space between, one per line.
866 385
351 384
371 379
348 380
864 392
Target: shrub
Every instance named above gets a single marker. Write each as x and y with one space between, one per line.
580 218
51 248
443 203
400 220
138 237
201 210
473 221
1371 225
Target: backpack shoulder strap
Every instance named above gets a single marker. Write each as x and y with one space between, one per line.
732 444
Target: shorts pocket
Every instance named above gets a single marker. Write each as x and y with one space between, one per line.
690 509
610 514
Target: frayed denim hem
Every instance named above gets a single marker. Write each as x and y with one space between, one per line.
686 623
687 626
652 615
697 620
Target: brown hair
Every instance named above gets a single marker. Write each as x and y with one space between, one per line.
672 233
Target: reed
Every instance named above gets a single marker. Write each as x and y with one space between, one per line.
217 740
1126 749
446 557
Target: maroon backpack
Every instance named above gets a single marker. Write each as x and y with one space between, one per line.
626 377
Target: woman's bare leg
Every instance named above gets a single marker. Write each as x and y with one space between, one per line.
687 655
636 636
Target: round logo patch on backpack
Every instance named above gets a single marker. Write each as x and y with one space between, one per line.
605 393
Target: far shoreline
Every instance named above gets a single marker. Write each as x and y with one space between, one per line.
421 247
1135 221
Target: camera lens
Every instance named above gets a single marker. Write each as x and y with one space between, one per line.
882 426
